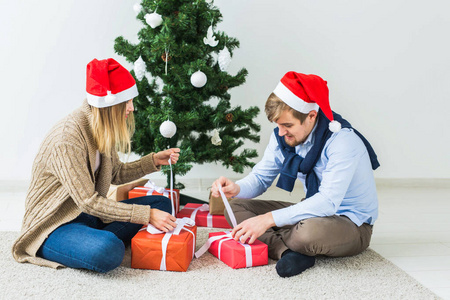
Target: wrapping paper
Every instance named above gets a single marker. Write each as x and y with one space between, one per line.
216 206
200 214
151 189
164 251
235 254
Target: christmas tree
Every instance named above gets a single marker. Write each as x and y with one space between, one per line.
180 68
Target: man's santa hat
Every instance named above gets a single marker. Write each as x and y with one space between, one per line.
108 83
305 93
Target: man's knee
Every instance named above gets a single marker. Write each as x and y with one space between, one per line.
330 236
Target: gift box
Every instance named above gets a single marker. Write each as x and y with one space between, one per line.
164 251
216 206
120 192
200 214
235 254
141 191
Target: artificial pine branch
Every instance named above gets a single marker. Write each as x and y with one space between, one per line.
179 40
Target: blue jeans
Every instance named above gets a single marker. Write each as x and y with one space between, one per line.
88 243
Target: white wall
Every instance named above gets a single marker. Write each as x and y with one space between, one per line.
386 62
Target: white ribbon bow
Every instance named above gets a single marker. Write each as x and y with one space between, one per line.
181 224
226 236
209 217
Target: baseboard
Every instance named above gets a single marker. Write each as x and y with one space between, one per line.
413 182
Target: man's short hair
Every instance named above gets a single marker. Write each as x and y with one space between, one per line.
275 107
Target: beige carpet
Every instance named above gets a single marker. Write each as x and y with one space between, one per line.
365 276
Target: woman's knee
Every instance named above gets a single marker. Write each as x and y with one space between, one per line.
107 253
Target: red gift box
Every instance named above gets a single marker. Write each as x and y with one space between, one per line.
147 250
141 191
236 254
202 216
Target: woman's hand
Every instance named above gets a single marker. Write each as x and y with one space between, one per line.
162 157
162 220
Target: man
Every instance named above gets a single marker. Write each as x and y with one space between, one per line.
332 160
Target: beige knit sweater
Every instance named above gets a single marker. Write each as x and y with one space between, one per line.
64 184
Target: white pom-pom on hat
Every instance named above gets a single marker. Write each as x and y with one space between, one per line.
110 98
334 126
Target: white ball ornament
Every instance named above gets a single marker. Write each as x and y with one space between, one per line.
154 19
139 68
168 129
198 79
224 59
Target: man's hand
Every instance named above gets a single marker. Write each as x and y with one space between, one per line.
229 188
162 157
162 220
252 228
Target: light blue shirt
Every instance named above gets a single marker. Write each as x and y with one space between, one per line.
347 186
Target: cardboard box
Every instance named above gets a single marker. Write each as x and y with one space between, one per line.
216 206
120 192
238 255
141 191
203 218
147 250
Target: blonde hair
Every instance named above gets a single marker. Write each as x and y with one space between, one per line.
112 131
275 107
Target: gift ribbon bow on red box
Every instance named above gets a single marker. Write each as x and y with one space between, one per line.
181 225
150 186
226 236
209 217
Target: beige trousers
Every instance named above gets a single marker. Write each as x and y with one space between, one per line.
330 236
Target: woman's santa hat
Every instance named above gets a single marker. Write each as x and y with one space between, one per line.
305 93
108 83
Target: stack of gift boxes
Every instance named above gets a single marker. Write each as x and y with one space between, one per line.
174 251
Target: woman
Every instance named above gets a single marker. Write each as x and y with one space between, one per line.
68 219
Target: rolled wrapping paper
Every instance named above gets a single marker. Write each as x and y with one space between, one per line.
181 223
226 236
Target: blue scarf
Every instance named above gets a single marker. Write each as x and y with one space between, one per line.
294 163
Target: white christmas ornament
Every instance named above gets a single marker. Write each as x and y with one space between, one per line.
208 1
215 140
210 39
137 8
224 59
198 79
139 68
168 129
214 58
153 19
